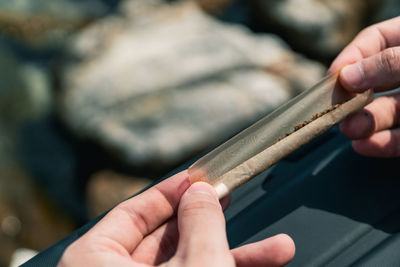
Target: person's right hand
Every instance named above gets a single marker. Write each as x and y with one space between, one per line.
171 224
372 60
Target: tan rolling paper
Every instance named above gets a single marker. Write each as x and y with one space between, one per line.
275 136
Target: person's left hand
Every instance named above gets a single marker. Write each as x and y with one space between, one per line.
143 231
372 60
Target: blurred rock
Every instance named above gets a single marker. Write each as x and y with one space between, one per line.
106 189
25 88
319 28
36 89
38 143
158 90
45 23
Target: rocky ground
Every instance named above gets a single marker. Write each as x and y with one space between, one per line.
99 98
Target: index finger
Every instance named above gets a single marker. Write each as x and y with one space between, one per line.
368 42
127 224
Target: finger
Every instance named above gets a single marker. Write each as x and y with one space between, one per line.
369 42
201 227
159 246
381 144
383 113
380 71
274 251
225 201
124 227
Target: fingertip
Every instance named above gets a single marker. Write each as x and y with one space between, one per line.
352 77
362 147
346 128
381 144
285 247
359 125
273 251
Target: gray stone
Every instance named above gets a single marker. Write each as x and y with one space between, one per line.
25 91
320 28
155 91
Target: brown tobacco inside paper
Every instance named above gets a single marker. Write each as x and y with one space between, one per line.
280 133
314 117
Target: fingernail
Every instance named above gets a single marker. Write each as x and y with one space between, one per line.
202 188
352 76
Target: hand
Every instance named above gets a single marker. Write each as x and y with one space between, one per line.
143 231
374 58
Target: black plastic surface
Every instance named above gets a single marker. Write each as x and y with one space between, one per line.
341 209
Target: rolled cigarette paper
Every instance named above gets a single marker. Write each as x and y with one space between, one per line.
273 154
277 135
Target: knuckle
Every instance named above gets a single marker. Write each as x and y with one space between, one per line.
389 60
139 220
368 30
198 206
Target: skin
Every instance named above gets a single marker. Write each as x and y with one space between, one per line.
372 60
171 224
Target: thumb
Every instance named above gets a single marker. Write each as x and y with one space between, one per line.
380 71
201 225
